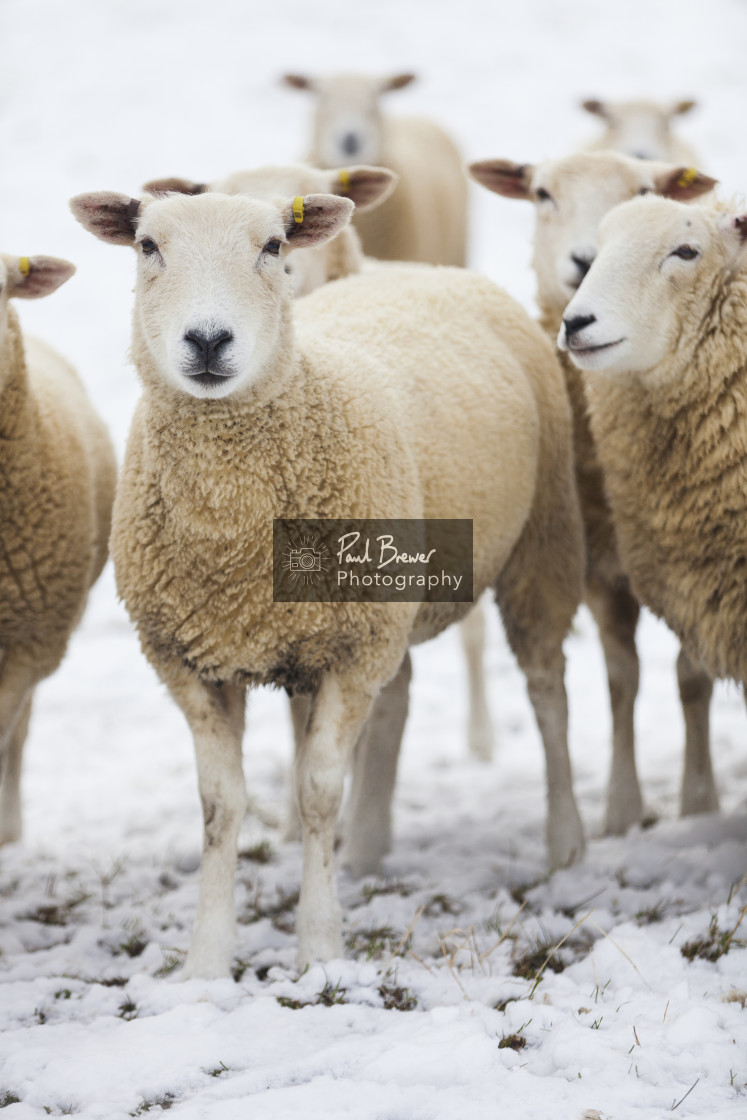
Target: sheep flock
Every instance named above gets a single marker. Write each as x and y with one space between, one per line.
312 346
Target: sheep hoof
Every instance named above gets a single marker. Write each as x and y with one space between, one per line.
565 842
625 810
363 849
700 797
319 937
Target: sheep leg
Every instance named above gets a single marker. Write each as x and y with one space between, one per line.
367 828
300 710
616 612
16 686
479 727
698 793
215 714
337 718
537 610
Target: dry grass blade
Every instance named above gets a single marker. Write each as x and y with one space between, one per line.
554 950
403 939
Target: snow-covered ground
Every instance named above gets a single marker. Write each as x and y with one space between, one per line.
442 1007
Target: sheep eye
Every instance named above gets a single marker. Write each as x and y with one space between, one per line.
148 246
685 253
273 247
645 190
543 195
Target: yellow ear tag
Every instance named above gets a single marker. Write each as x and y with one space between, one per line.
687 178
298 209
24 265
344 177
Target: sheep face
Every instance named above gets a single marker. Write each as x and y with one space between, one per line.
212 293
571 197
348 120
638 128
650 288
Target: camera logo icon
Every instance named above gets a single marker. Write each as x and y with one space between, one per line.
305 559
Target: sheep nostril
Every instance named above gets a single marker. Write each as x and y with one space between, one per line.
207 347
350 144
577 323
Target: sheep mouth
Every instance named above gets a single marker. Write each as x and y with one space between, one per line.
584 351
208 380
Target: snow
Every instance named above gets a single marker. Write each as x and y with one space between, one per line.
96 905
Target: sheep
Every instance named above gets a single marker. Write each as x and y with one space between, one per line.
57 469
342 405
659 330
641 129
571 197
342 256
426 217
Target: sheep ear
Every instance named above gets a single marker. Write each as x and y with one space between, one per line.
109 216
365 186
681 107
512 180
174 185
298 81
315 219
683 183
396 81
596 107
34 277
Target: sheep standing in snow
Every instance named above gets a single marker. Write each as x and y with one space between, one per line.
571 197
426 217
642 129
659 329
342 406
57 470
366 187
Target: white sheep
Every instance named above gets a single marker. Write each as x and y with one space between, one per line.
641 129
571 197
341 406
57 469
659 329
366 187
426 217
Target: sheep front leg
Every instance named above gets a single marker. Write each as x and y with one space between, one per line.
338 715
565 833
367 828
480 726
215 714
300 710
17 683
698 787
616 612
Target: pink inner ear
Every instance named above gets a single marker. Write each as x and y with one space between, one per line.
45 275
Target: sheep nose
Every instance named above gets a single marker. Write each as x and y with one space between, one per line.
583 262
350 144
573 326
207 346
